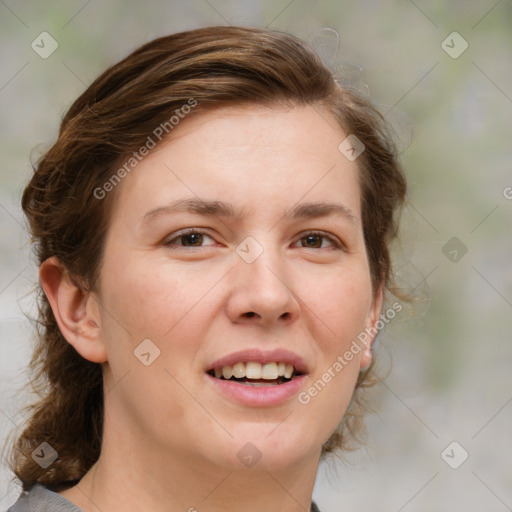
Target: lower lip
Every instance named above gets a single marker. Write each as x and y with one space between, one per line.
258 396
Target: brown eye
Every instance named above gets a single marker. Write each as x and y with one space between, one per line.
192 238
314 241
317 241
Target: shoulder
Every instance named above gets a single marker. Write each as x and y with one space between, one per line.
314 508
41 499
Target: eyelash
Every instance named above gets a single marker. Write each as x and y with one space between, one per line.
333 240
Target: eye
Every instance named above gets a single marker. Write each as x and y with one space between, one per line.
315 240
188 238
196 238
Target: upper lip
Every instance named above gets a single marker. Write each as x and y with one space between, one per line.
261 356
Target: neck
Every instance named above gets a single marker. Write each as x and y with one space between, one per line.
131 479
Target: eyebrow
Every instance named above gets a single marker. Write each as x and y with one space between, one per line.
227 210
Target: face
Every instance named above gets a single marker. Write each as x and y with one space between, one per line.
236 247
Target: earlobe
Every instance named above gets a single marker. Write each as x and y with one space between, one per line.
75 310
372 329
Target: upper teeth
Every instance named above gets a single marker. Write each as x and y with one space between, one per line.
253 370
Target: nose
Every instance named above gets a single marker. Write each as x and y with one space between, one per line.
262 291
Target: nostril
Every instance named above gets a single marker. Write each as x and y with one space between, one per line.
250 314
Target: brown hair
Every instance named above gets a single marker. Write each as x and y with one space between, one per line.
111 120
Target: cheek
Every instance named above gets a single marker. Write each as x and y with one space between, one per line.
150 301
155 300
338 303
144 298
338 310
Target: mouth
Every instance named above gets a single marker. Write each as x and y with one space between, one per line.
255 374
257 378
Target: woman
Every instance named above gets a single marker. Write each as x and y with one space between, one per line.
212 228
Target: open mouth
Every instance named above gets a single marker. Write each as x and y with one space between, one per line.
251 373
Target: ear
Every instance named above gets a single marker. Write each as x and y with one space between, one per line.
371 328
75 310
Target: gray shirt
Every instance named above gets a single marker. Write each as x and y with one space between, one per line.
41 499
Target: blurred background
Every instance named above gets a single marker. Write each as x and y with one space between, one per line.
441 72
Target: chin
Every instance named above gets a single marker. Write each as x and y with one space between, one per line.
267 446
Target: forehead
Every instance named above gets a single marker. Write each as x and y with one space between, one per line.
252 156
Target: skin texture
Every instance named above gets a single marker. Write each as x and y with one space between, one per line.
170 437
